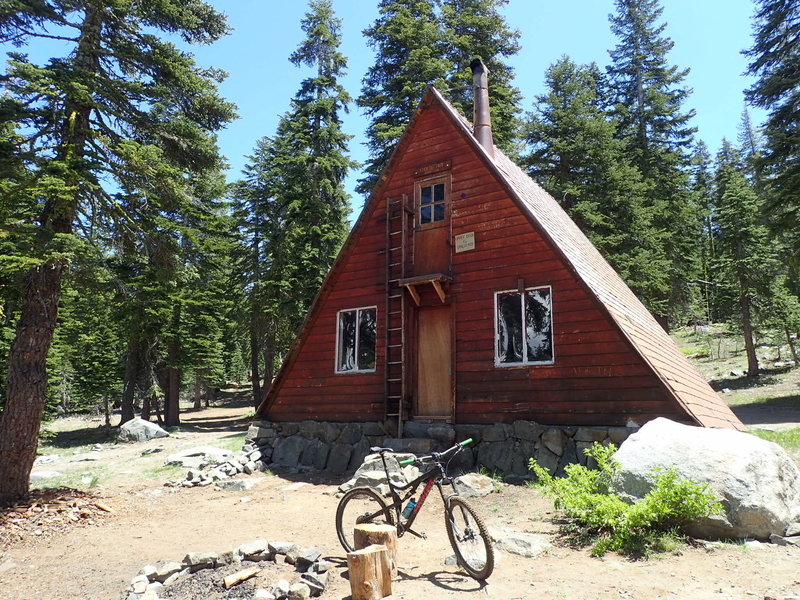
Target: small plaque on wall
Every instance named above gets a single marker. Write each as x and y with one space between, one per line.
465 241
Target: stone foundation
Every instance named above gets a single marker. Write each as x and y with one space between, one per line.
340 448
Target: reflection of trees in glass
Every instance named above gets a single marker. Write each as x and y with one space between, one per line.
357 331
366 340
509 328
537 345
538 325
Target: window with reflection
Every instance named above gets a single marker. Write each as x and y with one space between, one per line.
524 327
432 205
356 333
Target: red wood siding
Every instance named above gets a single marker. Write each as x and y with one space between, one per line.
596 378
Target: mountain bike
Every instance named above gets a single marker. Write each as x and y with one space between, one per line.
465 529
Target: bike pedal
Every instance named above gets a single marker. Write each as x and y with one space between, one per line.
419 535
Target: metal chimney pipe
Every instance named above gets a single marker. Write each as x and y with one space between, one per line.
481 120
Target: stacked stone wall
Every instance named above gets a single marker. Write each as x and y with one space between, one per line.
503 448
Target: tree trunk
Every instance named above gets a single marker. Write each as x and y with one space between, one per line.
27 361
173 393
132 365
198 386
792 347
21 418
749 344
255 377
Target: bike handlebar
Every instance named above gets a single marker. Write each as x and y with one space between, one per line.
436 456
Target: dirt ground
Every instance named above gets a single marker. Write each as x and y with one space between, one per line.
94 556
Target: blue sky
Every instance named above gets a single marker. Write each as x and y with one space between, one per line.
709 36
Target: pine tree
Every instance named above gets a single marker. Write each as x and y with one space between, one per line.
293 199
577 158
746 262
411 53
476 28
647 96
121 110
775 60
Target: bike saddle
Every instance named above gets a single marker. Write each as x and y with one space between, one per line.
380 450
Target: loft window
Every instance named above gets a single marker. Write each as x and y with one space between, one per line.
431 203
524 327
355 347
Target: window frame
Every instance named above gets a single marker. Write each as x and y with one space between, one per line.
524 362
432 182
338 340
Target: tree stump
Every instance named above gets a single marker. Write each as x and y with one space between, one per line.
368 534
370 575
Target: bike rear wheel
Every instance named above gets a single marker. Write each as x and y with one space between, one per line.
360 505
469 538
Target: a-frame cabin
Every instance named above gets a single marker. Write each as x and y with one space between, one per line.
465 294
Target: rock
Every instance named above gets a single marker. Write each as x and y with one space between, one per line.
306 557
521 543
590 434
40 475
321 566
167 570
360 453
139 584
759 484
197 561
793 529
527 430
409 445
315 581
473 485
288 450
139 430
547 460
281 589
299 591
262 594
315 454
785 541
451 560
339 458
496 456
524 450
553 440
238 485
252 551
496 433
282 548
371 473
173 578
351 434
149 571
155 588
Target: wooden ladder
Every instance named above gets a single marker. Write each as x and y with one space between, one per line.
397 215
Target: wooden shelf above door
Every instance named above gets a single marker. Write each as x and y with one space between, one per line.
434 279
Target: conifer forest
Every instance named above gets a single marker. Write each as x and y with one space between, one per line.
136 271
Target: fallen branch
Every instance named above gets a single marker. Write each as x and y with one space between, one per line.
240 576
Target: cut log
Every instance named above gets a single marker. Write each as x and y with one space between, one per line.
368 534
370 575
240 576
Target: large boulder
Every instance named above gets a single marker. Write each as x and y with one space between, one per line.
139 430
758 483
371 473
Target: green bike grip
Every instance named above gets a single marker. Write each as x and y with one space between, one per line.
407 461
466 442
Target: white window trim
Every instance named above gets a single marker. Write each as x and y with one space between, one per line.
338 333
524 363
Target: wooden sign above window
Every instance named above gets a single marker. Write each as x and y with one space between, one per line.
433 168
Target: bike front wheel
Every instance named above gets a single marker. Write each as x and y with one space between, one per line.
469 538
360 505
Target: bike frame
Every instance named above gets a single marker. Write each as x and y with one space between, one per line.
435 476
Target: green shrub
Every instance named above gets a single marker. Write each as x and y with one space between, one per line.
596 515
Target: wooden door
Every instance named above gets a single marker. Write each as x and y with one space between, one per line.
434 398
432 230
